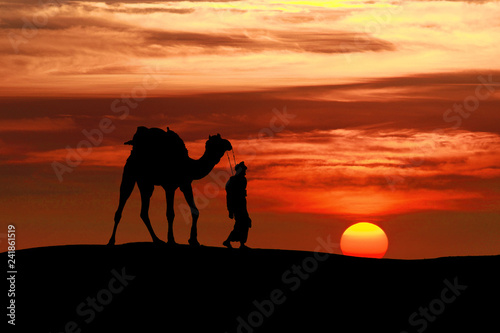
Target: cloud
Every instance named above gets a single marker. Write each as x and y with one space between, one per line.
44 124
346 171
379 152
352 171
439 85
101 32
215 46
152 10
260 40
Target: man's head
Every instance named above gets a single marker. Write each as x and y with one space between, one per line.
240 168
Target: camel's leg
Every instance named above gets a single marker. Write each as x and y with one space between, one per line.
126 188
146 193
170 193
188 195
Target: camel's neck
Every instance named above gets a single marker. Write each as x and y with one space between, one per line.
202 166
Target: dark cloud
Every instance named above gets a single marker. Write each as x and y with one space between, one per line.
155 43
152 10
243 114
240 115
99 32
265 40
466 81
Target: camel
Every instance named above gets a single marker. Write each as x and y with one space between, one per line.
160 158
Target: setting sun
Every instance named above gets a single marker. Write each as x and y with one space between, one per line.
364 240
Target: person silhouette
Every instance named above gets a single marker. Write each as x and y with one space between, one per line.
236 192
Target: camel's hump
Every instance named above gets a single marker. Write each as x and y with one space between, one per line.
155 140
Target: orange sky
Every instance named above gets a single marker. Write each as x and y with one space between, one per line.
344 111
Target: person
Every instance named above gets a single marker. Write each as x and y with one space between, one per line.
237 206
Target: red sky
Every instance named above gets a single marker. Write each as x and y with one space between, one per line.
344 111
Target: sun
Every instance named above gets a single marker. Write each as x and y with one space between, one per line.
364 239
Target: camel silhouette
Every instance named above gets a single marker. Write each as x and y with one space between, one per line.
160 158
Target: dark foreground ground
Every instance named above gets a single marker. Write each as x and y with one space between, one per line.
138 287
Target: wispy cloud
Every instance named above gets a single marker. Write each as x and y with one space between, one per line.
206 44
44 124
346 171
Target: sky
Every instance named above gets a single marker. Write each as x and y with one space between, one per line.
344 111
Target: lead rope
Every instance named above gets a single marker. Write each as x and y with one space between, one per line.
229 160
234 159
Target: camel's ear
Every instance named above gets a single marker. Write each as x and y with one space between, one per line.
218 135
209 137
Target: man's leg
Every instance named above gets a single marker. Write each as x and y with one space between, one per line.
230 238
245 224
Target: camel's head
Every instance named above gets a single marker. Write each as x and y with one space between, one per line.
217 144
